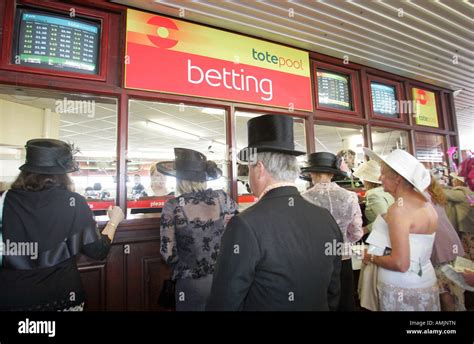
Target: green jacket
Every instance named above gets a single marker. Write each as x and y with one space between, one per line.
460 211
377 203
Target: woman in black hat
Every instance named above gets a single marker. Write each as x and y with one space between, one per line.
192 225
344 207
51 224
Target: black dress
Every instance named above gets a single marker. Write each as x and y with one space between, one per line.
52 226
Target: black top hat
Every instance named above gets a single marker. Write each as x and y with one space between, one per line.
49 156
323 162
190 165
269 133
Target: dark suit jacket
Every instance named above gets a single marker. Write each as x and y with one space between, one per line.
273 257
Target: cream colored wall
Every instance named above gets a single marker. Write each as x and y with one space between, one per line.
20 123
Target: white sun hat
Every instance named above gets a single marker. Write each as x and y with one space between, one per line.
368 171
405 165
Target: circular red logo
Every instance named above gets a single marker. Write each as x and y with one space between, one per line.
164 25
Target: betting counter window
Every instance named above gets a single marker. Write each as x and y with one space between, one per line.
87 122
338 138
346 141
245 196
385 140
431 152
154 130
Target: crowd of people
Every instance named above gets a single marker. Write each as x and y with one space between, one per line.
288 251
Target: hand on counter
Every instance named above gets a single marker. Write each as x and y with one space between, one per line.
116 216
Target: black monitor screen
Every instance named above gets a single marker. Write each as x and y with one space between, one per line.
384 100
59 42
334 90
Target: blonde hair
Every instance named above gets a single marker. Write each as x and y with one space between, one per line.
436 192
369 185
152 169
184 186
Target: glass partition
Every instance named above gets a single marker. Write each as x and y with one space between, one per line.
431 151
154 130
89 122
334 138
385 140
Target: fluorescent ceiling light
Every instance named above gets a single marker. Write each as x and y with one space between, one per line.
213 111
247 114
155 150
171 131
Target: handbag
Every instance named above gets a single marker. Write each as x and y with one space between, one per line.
167 299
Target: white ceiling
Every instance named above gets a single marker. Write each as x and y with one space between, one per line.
430 41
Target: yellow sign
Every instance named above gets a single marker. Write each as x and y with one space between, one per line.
425 110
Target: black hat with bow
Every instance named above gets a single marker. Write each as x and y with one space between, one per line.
190 165
323 162
49 156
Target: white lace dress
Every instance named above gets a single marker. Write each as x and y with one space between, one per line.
415 289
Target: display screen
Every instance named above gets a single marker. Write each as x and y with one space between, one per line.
384 100
333 90
51 41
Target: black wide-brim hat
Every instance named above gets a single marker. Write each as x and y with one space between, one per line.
190 165
269 133
324 162
49 156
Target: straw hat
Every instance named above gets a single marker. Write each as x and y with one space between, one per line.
405 165
369 171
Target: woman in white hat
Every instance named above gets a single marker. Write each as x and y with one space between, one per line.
406 278
377 200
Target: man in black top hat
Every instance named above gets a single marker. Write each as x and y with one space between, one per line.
274 255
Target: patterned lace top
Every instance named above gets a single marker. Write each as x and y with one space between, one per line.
191 229
342 204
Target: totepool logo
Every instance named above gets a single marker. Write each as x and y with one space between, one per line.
278 60
164 25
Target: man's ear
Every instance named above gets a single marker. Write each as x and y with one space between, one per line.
260 169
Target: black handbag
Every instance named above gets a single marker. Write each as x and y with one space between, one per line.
166 299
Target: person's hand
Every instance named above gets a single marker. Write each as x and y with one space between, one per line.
366 257
115 214
468 277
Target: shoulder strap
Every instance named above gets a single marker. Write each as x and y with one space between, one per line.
2 201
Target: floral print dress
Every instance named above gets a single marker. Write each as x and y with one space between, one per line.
191 229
